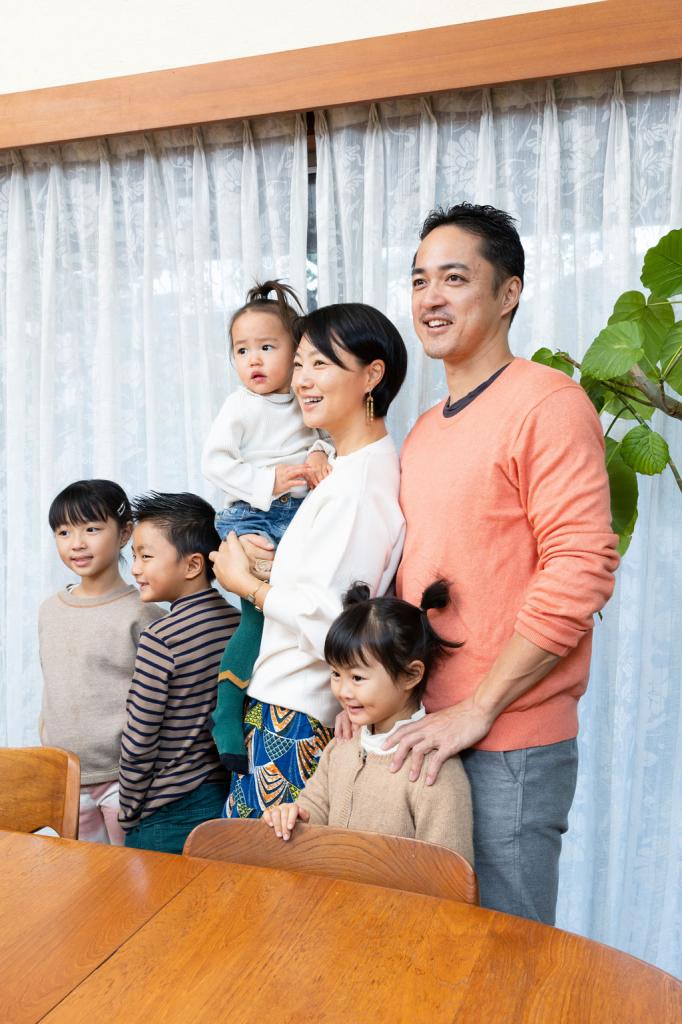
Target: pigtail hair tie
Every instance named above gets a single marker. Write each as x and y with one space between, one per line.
436 595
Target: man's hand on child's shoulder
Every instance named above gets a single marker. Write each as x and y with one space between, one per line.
283 818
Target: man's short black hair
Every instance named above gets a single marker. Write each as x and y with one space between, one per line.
364 332
187 520
500 242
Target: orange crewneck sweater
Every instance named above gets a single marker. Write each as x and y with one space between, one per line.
509 501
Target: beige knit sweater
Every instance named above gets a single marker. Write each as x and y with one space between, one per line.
87 654
354 789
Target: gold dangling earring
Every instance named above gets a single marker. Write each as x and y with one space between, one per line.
369 407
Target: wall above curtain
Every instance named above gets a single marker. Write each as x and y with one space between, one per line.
583 37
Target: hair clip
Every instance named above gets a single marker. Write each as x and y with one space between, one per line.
121 509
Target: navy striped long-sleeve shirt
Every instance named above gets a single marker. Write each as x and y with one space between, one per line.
166 746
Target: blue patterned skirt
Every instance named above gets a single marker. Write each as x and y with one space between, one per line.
284 748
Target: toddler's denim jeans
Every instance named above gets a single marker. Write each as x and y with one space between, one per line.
242 518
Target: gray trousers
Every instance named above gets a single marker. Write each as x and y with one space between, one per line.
521 800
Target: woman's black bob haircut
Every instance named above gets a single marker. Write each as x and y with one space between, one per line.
393 632
364 332
90 501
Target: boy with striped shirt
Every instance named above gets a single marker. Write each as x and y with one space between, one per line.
170 777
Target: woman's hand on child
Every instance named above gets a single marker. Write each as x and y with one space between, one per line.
317 468
288 477
231 566
260 553
283 818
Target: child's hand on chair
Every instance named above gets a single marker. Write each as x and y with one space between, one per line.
283 818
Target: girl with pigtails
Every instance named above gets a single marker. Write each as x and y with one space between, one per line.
380 653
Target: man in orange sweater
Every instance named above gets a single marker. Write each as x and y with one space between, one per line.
505 494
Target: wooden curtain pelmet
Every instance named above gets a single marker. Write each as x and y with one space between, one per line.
606 34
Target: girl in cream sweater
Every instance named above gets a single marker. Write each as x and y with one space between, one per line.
381 652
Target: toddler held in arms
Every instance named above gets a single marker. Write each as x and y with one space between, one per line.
381 652
262 456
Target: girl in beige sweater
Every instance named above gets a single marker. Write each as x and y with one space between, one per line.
88 636
381 652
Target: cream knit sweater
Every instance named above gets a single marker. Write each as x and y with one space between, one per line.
87 654
354 789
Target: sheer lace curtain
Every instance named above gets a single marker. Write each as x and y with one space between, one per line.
121 261
592 168
120 264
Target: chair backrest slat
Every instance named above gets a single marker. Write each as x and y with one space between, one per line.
39 787
369 857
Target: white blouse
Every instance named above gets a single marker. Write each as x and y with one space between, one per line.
349 529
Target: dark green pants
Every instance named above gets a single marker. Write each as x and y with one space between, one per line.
166 829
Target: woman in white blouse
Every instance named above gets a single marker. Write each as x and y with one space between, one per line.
349 366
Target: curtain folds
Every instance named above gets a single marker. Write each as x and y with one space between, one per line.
592 168
120 264
121 261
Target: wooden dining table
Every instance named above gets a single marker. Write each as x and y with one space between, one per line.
90 932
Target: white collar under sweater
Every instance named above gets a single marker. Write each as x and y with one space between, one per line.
372 742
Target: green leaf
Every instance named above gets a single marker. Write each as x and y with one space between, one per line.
645 451
553 359
623 484
559 363
662 270
596 393
657 321
655 317
614 351
629 306
672 369
625 537
615 407
624 494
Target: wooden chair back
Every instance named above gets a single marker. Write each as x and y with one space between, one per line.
39 788
388 861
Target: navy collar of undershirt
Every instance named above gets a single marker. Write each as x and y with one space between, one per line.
452 408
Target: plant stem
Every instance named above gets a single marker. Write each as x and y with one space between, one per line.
613 422
675 472
640 382
670 406
673 363
631 408
622 394
570 359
